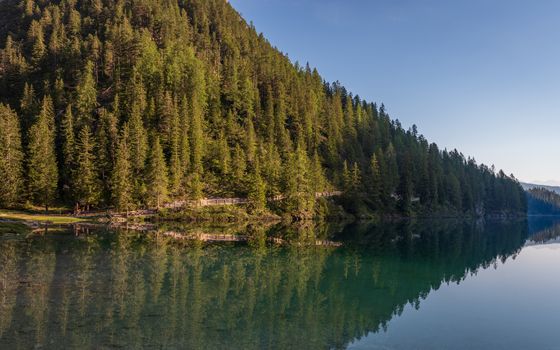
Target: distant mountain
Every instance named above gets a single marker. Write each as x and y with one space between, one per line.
528 186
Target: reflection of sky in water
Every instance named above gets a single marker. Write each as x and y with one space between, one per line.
513 306
97 288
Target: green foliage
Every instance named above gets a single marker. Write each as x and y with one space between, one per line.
43 170
121 181
157 175
175 169
300 197
86 96
36 39
257 191
375 181
220 100
86 184
68 149
138 148
11 159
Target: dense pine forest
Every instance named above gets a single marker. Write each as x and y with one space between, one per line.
136 103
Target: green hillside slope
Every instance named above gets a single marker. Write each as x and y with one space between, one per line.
138 103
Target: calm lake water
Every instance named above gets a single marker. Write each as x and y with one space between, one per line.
423 285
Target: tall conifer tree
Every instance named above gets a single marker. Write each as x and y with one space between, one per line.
42 165
138 146
86 182
121 181
257 190
157 175
11 159
68 148
86 99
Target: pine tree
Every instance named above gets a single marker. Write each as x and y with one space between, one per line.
251 144
167 114
257 191
157 175
196 150
375 181
175 169
239 164
224 156
121 182
58 36
29 6
196 187
184 144
106 140
356 178
282 136
349 122
392 169
268 122
318 176
68 148
138 145
197 142
300 198
86 183
11 161
86 99
43 171
272 169
184 156
404 190
384 183
37 39
346 178
29 110
59 94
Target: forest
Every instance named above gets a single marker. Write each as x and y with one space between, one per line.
541 201
136 103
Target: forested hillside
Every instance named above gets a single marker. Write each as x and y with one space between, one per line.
135 103
528 186
542 201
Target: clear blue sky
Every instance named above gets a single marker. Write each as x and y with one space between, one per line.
482 76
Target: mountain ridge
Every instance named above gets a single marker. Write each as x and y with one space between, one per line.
528 186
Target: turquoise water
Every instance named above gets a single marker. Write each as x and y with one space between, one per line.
423 285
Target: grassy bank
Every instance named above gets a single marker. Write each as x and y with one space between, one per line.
30 216
328 210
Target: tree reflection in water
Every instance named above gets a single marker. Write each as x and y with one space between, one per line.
119 288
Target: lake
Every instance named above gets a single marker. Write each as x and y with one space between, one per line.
445 284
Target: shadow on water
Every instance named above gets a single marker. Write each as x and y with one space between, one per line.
93 287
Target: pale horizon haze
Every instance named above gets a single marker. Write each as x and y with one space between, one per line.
481 76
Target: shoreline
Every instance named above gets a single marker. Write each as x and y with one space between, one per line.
222 216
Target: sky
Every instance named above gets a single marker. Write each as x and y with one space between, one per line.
481 76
